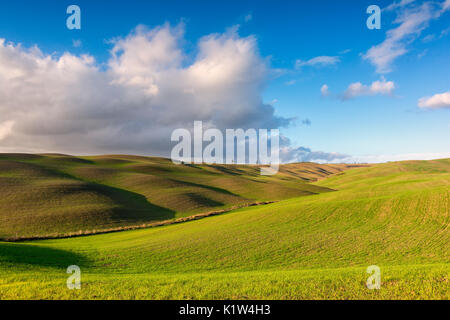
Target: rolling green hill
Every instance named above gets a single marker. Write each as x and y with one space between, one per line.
57 195
393 215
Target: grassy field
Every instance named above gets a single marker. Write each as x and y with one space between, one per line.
56 195
393 215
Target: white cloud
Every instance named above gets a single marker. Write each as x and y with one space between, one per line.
446 5
5 129
398 4
428 38
324 90
422 54
248 17
411 22
69 104
437 101
444 32
290 82
345 51
356 89
302 154
317 61
395 157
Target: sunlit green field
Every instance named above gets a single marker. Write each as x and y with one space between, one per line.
393 215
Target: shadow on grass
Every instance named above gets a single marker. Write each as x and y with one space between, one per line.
204 186
132 206
22 254
204 201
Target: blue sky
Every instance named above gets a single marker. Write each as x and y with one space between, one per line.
381 119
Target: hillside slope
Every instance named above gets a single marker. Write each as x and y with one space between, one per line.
54 195
393 215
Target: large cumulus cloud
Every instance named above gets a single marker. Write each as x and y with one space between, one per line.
149 87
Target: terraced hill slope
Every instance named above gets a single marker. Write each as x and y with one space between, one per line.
54 195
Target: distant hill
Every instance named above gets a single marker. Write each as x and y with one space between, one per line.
55 194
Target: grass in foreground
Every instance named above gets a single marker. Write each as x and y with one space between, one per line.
405 282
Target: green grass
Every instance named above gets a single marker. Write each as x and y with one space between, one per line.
56 195
405 282
393 215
